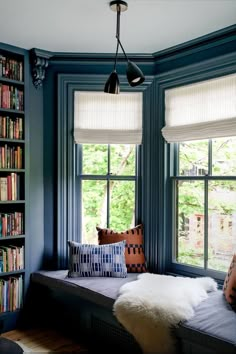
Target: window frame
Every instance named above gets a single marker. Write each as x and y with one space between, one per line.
108 177
196 73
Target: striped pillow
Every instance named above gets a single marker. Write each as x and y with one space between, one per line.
134 254
87 260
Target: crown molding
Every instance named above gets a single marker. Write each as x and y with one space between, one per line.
208 41
40 58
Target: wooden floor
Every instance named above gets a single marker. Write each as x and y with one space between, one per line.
44 341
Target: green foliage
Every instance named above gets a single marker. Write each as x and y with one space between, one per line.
122 205
95 159
123 160
193 158
93 196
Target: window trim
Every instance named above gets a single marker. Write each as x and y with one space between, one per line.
66 204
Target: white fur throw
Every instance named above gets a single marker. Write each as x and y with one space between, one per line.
151 306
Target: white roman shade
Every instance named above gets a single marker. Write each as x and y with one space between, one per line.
201 111
101 118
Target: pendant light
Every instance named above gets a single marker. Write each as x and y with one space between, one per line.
134 74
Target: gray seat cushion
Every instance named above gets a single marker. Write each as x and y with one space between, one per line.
99 290
213 325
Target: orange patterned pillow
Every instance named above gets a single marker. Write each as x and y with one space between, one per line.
134 254
229 288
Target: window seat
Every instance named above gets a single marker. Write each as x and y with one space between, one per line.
83 306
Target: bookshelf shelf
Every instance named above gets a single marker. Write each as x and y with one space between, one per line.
8 110
9 313
11 82
12 202
12 183
18 141
12 237
16 170
12 273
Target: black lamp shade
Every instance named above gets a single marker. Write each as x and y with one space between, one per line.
112 85
134 75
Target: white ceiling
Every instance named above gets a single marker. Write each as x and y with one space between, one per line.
89 26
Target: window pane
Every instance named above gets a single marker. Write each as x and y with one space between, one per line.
95 160
224 157
190 223
122 204
94 209
222 224
193 158
123 160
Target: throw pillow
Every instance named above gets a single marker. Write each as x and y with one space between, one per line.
134 254
87 260
229 288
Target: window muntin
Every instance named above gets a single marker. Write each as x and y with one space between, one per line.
205 218
107 180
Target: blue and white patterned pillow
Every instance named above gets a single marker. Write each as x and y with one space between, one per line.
87 260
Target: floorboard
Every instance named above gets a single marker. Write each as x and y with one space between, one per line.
44 341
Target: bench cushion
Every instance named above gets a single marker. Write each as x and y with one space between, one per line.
213 325
99 290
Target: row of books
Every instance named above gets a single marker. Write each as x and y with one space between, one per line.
11 291
11 68
11 128
11 224
11 258
11 97
10 187
11 156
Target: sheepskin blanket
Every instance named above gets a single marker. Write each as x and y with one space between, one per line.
153 305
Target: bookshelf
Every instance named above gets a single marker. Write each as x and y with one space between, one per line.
12 185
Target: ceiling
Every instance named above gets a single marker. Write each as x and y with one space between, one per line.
89 26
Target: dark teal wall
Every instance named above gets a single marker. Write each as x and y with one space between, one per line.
186 55
36 185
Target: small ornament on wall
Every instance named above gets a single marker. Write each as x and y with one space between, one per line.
39 63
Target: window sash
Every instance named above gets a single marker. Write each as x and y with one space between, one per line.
108 177
173 266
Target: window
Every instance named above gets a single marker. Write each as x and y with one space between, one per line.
200 127
204 186
107 183
108 131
